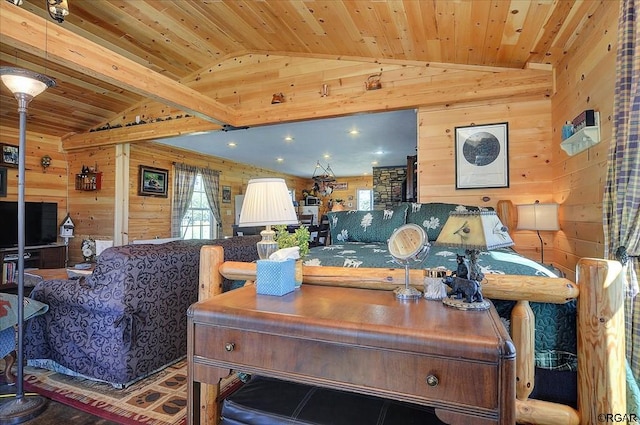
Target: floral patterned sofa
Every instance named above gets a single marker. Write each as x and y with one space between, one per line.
128 318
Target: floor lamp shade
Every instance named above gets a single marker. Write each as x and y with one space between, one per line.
267 202
538 217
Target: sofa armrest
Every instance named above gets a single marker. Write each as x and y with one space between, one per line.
73 293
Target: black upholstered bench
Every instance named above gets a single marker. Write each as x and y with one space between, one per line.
266 401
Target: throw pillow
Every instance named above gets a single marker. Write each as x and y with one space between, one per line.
365 226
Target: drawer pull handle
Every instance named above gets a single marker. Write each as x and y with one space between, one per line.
229 346
432 380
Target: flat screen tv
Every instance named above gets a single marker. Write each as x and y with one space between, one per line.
41 223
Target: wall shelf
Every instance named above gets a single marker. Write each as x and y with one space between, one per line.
89 181
582 139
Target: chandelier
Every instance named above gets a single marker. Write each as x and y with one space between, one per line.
322 179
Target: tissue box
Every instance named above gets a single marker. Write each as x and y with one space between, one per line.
275 277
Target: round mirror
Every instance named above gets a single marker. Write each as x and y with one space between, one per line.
408 242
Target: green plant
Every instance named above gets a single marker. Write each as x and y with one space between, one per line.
300 238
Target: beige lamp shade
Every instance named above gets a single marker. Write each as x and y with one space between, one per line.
481 230
23 81
267 202
538 217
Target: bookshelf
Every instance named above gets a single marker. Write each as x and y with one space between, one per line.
38 257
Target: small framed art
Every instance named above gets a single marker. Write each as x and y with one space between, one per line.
482 156
226 194
153 182
9 155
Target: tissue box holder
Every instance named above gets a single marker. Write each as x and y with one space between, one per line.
275 277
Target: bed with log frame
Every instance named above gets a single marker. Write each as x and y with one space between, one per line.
599 290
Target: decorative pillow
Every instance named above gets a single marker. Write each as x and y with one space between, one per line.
432 216
365 226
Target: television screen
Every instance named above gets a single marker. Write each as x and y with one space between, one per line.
40 222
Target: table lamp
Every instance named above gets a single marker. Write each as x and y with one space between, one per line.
267 202
538 217
474 231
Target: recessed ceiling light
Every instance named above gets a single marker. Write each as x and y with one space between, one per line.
326 156
232 144
288 138
279 159
374 162
379 152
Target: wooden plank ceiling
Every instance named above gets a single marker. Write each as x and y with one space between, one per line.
219 61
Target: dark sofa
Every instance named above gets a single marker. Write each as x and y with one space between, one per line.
128 318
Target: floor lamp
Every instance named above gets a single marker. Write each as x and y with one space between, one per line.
538 217
25 85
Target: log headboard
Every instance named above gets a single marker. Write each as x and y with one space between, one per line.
601 353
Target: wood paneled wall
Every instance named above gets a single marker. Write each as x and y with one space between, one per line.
530 158
48 185
585 80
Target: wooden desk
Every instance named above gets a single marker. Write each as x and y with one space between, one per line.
460 362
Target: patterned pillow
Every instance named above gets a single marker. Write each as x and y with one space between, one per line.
365 226
432 216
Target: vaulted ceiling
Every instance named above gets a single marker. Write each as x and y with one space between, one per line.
207 63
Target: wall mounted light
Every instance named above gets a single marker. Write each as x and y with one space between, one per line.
58 9
45 161
538 217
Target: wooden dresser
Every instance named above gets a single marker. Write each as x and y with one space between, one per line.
462 363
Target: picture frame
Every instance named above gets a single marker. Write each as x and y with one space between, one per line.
482 156
9 155
153 182
226 194
3 182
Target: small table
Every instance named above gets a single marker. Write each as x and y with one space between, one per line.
462 363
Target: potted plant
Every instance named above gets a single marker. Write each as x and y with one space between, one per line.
299 238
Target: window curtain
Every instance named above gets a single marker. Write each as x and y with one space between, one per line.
211 180
185 176
621 201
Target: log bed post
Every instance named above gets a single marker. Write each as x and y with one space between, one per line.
601 346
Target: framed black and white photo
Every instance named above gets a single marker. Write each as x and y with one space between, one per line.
3 182
226 194
482 156
153 182
9 155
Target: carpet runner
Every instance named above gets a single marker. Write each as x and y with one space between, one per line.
160 399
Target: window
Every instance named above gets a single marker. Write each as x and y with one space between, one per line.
198 222
365 199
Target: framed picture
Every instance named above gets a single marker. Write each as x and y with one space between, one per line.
226 194
3 182
482 156
153 182
9 157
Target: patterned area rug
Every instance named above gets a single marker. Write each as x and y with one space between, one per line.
160 399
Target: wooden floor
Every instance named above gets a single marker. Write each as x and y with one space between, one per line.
56 413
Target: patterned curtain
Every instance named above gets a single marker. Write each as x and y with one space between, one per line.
185 176
211 180
621 201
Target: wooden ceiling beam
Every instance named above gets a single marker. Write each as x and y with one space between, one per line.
137 133
26 31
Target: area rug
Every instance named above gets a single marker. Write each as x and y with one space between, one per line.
160 399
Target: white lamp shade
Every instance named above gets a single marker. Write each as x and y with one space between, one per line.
23 81
267 202
538 217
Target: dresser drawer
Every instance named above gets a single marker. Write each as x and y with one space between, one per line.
409 376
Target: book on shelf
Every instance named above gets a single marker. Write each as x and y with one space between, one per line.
9 272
